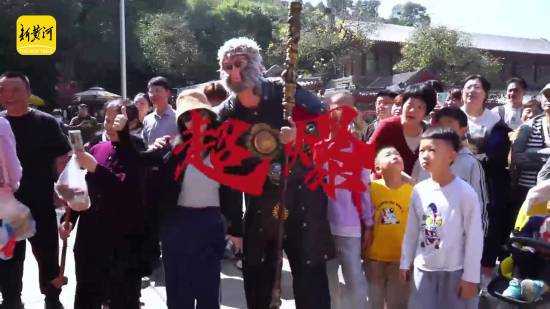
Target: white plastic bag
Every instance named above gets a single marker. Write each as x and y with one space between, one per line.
16 223
71 186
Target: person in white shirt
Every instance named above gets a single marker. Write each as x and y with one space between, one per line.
512 110
443 239
10 167
466 165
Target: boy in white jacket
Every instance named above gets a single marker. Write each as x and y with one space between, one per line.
465 165
444 237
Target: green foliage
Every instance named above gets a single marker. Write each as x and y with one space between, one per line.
157 6
410 14
447 52
168 45
340 6
176 38
42 70
366 10
214 22
324 40
357 10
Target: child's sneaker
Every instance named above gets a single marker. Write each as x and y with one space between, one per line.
532 290
513 290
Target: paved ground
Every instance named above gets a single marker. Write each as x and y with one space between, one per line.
153 297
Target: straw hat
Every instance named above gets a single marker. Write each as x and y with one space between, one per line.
189 100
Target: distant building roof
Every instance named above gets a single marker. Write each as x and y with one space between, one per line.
396 79
400 81
401 34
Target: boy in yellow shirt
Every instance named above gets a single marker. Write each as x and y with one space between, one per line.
390 198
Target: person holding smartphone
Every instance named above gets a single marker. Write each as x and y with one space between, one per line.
109 241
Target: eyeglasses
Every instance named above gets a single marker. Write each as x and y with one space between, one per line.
237 64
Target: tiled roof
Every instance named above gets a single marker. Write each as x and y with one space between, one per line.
401 34
396 79
510 44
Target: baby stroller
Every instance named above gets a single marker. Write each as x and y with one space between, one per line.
529 262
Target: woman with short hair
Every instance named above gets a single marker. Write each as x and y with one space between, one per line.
404 132
488 139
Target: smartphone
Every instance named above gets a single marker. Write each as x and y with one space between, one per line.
442 97
75 138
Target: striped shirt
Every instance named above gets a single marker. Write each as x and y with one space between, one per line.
528 177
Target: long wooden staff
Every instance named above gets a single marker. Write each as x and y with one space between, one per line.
289 77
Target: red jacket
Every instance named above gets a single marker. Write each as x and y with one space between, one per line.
390 133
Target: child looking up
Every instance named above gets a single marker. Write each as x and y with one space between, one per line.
443 239
390 197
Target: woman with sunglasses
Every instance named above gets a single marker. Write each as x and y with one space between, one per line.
191 228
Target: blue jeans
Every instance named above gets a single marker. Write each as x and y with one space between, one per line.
192 248
348 254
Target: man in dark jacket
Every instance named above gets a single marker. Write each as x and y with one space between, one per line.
307 241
